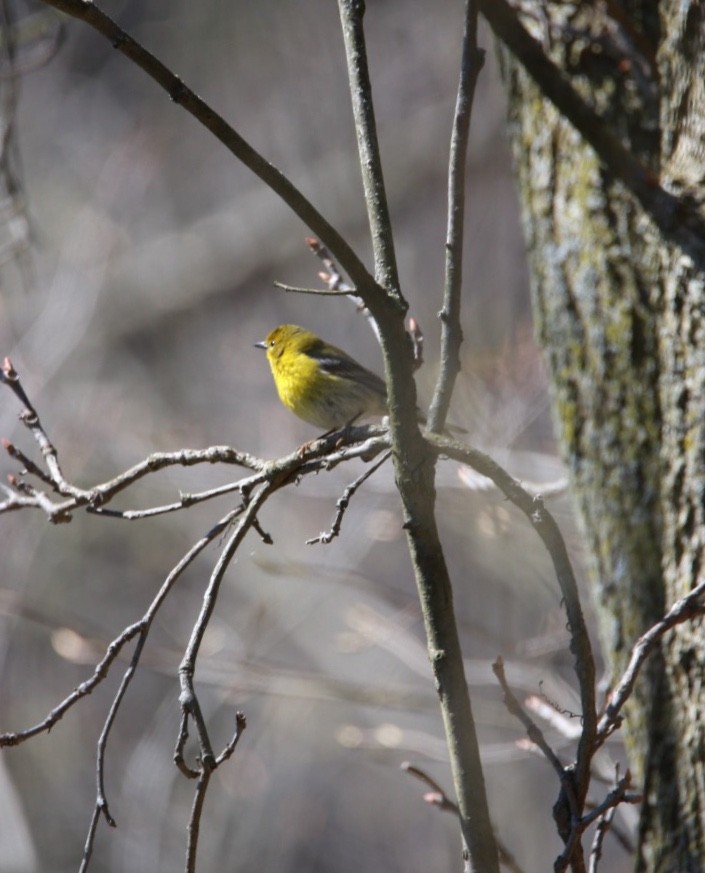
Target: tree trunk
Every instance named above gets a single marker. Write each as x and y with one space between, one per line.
620 313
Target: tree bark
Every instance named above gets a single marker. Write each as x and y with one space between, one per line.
620 313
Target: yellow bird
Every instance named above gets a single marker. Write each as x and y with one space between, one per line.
320 382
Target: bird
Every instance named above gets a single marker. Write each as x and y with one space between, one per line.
319 382
324 385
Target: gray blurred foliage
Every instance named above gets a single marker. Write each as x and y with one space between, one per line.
130 313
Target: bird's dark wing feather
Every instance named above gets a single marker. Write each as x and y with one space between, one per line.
346 367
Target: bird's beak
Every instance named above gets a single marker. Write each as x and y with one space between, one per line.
261 345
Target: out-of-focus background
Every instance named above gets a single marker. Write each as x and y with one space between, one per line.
129 304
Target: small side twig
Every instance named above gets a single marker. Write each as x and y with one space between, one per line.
336 284
605 824
533 731
30 418
323 292
28 463
684 609
437 797
342 504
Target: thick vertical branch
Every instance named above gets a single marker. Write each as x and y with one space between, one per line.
415 477
451 334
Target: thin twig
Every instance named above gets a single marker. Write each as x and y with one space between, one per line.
332 275
684 609
438 797
342 504
90 840
194 824
533 731
584 663
337 285
188 699
30 466
322 292
603 826
451 333
335 282
30 418
128 675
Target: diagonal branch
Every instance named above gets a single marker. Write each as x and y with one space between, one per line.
327 537
545 525
88 12
678 222
188 698
684 609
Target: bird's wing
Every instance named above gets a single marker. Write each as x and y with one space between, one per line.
340 364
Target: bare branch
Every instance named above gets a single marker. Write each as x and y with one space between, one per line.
322 292
194 825
188 698
471 63
437 797
343 502
684 609
90 840
140 627
549 532
605 821
337 285
323 453
677 220
386 274
532 730
88 12
30 419
30 466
